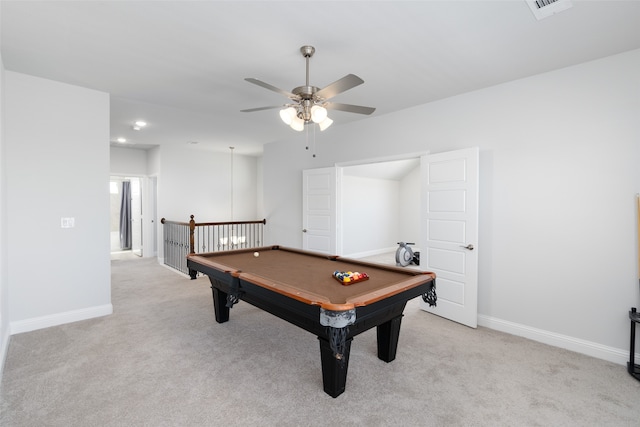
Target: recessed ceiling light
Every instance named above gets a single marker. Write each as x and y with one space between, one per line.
139 124
121 140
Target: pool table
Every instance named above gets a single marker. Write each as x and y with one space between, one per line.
299 287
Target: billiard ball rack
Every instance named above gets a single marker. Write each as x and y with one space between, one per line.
347 278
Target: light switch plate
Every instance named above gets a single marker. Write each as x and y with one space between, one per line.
67 222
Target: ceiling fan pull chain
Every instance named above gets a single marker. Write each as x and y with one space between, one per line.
307 137
314 140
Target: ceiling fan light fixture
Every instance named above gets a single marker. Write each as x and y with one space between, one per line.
306 103
287 115
318 113
297 124
325 123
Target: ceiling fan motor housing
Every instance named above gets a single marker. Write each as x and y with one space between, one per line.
305 92
307 51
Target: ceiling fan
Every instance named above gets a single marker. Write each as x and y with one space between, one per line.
309 103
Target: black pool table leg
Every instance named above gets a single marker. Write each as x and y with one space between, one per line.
388 335
220 305
334 370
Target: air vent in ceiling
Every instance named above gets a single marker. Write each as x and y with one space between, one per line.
544 8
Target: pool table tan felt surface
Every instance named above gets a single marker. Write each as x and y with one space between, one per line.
308 277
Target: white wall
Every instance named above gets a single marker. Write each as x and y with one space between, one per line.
282 188
384 201
260 189
4 283
410 208
559 173
370 214
379 208
197 182
153 161
55 274
128 161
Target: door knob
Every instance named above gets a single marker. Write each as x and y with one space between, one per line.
470 247
304 230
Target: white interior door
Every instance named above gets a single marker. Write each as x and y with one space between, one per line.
449 232
153 208
136 217
319 210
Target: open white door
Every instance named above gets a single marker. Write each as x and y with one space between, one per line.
319 210
136 217
449 232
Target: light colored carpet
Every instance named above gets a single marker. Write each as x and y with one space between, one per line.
162 360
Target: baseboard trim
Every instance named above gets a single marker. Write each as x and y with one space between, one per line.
4 349
588 348
611 354
176 271
371 253
35 323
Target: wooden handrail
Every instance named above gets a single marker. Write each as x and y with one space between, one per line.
262 221
178 239
166 221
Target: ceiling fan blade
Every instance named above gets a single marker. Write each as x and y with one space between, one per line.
270 87
251 110
347 82
349 108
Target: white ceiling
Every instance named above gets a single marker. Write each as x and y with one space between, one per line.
180 65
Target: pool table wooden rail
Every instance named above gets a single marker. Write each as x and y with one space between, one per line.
307 296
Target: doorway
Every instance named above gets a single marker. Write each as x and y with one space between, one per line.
126 216
383 200
431 201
